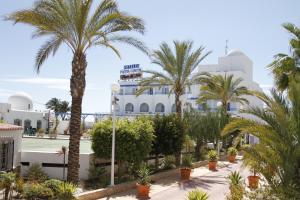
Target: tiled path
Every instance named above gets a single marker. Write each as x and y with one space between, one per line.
214 183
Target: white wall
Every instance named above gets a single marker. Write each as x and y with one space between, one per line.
53 157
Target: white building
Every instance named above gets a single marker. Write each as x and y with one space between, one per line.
157 100
19 111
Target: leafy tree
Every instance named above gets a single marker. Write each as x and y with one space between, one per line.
133 140
276 156
64 108
168 135
75 24
286 68
222 88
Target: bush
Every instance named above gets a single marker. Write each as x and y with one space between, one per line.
6 182
144 175
133 139
36 174
66 191
232 151
37 191
169 162
197 195
53 184
235 186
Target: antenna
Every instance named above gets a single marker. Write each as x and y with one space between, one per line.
226 47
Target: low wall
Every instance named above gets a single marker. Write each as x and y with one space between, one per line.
105 192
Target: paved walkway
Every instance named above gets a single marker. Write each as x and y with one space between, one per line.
214 183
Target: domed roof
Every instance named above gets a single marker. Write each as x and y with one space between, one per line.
21 101
235 52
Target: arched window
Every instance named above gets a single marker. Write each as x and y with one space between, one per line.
144 107
38 124
173 108
27 124
18 122
159 107
129 107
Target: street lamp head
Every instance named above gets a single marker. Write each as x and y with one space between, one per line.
219 104
115 87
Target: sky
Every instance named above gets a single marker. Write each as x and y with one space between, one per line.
253 26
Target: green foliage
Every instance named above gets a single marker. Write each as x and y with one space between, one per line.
168 134
276 157
235 186
37 191
232 151
187 161
235 178
133 139
53 184
6 182
36 174
144 175
212 155
96 173
169 162
66 191
197 195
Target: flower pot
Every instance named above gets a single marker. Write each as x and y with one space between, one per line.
143 191
253 181
185 173
212 165
231 158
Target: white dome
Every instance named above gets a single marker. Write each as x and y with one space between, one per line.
20 101
235 52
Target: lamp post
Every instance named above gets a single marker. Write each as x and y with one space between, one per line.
219 107
115 88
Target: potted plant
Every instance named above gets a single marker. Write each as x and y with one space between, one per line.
143 185
232 152
197 195
254 179
186 167
213 159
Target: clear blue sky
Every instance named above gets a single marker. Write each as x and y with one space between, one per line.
254 26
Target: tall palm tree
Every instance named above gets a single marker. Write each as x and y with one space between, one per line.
225 89
286 68
55 105
177 67
74 23
64 108
277 155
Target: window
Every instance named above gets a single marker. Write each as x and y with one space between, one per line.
144 107
38 124
129 107
173 108
6 154
18 122
159 107
29 106
27 124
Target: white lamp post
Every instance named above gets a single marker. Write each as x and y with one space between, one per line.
219 107
115 88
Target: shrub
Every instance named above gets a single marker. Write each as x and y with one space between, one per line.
133 139
66 191
197 195
169 162
187 161
19 186
232 151
212 155
6 182
53 184
36 174
37 191
235 186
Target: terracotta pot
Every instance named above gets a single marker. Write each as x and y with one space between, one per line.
231 158
143 191
212 165
185 173
253 181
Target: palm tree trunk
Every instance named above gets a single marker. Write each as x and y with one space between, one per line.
179 113
77 86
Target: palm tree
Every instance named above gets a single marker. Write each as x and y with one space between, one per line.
277 155
225 89
286 68
177 68
74 23
55 105
64 108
